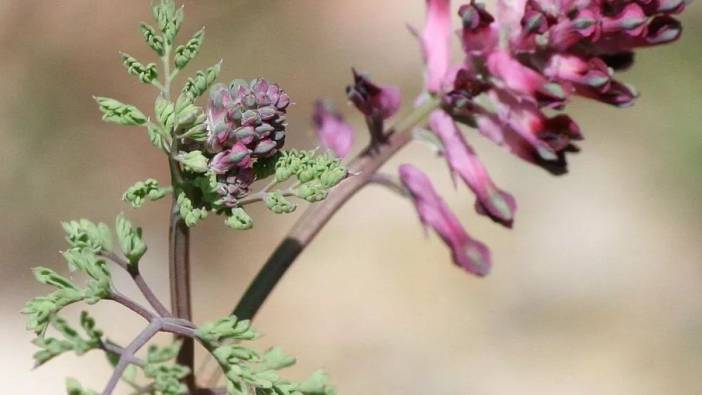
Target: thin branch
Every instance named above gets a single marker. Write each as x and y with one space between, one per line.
131 305
128 354
110 347
141 283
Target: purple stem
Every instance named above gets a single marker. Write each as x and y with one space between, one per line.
148 293
132 305
128 354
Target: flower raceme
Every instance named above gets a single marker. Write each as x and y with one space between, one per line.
246 121
522 64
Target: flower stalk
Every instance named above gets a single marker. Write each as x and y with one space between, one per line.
365 165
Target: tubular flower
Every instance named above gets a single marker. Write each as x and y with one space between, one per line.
245 122
535 54
332 131
436 43
522 65
377 103
467 253
462 160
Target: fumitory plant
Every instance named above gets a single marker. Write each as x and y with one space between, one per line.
521 63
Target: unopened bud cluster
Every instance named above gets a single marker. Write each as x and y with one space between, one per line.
245 122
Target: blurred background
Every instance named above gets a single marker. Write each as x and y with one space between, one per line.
596 290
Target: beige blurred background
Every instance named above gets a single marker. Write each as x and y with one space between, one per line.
596 290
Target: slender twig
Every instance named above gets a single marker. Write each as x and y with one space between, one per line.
110 347
120 298
149 294
128 354
141 283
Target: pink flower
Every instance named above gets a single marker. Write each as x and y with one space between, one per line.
479 34
467 253
520 79
374 101
332 131
436 43
521 68
491 201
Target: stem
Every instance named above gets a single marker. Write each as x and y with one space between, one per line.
179 267
132 305
128 354
148 293
113 348
316 217
178 242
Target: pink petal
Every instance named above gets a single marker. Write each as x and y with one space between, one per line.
491 201
436 42
373 100
332 131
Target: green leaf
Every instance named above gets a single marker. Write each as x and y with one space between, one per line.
230 328
117 112
99 287
185 53
312 191
239 220
276 359
130 240
142 191
201 82
74 388
84 234
41 309
49 277
73 341
190 215
308 166
207 184
152 39
193 161
87 262
167 376
158 137
277 203
163 354
169 19
165 113
146 73
315 384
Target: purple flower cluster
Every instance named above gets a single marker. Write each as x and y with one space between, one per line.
245 122
523 63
